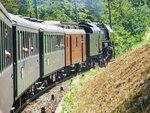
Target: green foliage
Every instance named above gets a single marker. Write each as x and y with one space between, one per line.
61 10
8 5
130 19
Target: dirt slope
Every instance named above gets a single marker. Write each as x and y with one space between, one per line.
122 87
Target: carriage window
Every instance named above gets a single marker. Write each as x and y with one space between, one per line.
18 37
62 42
55 45
57 42
27 36
51 43
3 46
24 55
21 44
10 45
7 44
48 45
0 47
25 41
31 46
36 40
45 43
37 44
50 36
34 44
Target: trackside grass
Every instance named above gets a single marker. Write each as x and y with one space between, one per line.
77 82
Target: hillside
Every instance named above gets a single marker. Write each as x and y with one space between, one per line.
123 86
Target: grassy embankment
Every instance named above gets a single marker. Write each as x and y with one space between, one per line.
69 103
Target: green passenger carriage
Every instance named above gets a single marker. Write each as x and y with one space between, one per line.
52 54
6 63
26 56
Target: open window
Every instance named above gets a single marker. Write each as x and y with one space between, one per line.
0 47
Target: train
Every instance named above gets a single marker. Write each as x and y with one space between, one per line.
35 53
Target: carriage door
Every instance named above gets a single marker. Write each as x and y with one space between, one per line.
67 50
82 42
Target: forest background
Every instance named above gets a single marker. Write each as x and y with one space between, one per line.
130 18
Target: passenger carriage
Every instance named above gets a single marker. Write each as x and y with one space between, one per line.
6 61
26 57
52 52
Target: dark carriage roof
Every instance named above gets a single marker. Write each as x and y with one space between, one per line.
89 27
4 15
19 21
74 31
48 22
65 25
50 28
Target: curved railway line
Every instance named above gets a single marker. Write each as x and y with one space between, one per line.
35 54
